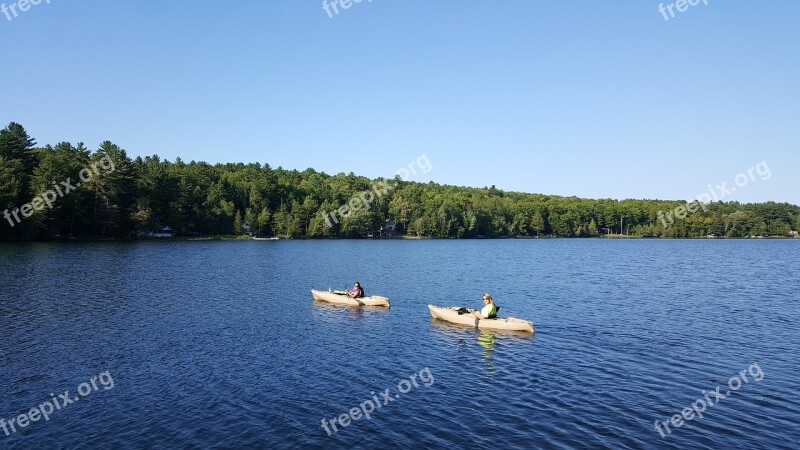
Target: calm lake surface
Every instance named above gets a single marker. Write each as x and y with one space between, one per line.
218 344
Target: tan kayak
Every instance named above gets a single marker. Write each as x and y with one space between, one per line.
341 298
451 314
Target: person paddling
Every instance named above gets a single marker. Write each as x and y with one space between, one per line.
357 292
489 310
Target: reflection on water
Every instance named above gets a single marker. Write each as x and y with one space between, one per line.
228 331
490 342
487 341
330 312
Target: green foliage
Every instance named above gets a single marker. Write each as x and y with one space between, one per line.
237 223
144 194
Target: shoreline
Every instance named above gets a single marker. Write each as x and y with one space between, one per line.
393 238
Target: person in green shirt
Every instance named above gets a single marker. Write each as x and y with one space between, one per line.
489 310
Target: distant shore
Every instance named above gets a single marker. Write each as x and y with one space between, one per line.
85 239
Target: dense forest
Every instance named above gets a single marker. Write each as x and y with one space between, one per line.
70 191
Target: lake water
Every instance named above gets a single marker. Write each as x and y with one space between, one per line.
218 344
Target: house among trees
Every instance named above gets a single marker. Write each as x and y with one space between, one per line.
389 228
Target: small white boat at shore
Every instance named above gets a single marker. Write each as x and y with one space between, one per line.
341 298
265 238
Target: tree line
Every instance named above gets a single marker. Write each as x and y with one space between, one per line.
197 198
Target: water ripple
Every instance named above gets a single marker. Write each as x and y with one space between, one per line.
219 344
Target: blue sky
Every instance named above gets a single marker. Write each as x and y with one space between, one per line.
587 98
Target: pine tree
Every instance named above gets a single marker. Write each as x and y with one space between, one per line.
237 223
592 228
